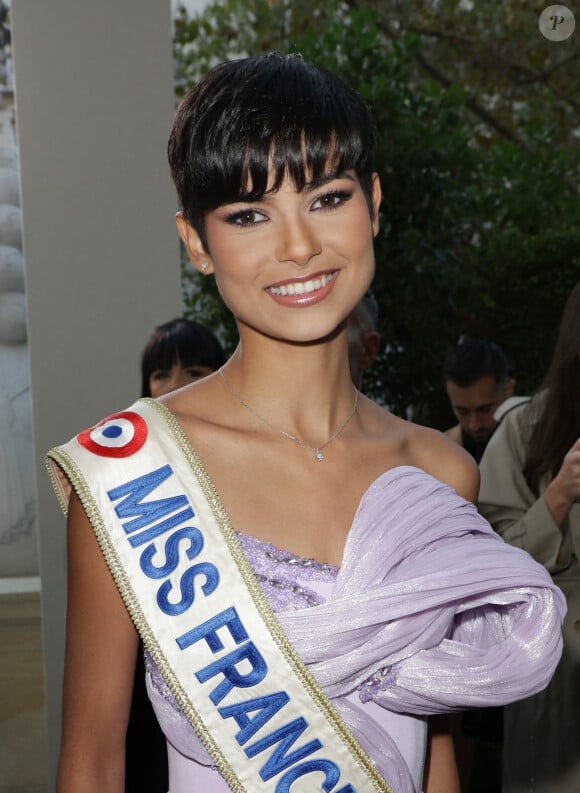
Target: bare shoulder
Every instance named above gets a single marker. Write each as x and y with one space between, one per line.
438 455
405 443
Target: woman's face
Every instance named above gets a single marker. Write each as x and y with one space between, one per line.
292 265
163 381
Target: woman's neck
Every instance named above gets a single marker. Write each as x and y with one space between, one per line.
304 389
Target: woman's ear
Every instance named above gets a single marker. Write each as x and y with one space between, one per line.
376 196
198 256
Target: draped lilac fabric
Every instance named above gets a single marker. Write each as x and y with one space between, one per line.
463 619
430 612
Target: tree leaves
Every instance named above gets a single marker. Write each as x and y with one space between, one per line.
479 129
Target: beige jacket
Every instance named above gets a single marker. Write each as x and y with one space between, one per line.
542 734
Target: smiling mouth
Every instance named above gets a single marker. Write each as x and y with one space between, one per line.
302 287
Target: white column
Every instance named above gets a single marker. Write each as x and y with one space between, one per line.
94 100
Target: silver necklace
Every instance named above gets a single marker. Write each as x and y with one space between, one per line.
316 449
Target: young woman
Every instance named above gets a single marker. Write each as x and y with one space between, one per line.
178 352
530 492
307 571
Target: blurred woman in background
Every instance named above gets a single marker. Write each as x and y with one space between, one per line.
530 493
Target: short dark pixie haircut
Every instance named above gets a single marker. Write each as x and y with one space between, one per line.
180 340
472 359
272 109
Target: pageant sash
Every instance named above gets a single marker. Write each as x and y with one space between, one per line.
202 615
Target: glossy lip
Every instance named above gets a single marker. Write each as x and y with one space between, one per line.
307 298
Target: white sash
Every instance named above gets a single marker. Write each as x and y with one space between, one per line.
201 613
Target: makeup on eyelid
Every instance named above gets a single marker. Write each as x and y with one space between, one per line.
236 218
292 249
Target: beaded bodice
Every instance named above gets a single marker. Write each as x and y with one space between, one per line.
286 578
386 635
290 582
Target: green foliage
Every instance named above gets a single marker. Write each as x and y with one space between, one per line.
478 128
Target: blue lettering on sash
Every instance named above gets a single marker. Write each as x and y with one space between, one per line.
329 769
233 678
159 516
171 552
186 581
226 665
144 513
207 630
160 528
265 708
284 736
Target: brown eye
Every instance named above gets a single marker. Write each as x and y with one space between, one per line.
332 200
247 217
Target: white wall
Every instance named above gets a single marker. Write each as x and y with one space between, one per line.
192 6
94 100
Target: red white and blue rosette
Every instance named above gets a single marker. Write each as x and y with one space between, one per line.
119 435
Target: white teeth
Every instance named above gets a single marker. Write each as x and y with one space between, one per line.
302 287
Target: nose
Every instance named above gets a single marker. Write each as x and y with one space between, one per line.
167 386
180 379
473 422
298 242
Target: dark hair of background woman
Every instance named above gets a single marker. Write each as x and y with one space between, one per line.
557 427
183 341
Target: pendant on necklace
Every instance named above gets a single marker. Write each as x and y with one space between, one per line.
318 454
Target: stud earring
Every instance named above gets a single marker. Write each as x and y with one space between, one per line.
203 266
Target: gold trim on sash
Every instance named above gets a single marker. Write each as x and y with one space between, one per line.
305 677
133 607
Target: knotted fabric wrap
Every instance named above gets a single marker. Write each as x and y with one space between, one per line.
430 612
462 619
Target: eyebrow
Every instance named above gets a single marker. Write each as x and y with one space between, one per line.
315 184
326 178
477 407
309 187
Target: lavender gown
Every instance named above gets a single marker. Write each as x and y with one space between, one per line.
429 612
